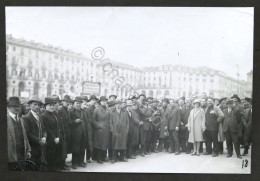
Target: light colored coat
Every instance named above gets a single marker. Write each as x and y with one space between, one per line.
11 142
196 125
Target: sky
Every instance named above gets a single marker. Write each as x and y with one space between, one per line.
219 38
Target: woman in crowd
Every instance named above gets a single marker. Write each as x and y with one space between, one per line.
196 126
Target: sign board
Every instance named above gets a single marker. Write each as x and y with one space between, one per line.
91 88
25 94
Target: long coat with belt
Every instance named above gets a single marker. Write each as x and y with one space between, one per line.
196 125
35 131
135 117
173 118
78 133
101 130
119 126
11 142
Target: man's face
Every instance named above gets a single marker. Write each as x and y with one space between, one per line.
93 101
14 109
50 107
65 103
235 101
77 105
141 98
84 105
187 102
118 106
112 98
123 105
216 102
27 107
210 102
229 105
70 106
181 102
164 104
203 102
35 107
103 103
172 102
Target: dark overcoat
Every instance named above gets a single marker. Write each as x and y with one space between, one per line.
247 120
54 129
78 133
163 124
65 118
231 121
173 118
35 131
101 130
88 128
119 126
11 141
135 118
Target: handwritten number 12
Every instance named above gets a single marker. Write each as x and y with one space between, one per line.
244 163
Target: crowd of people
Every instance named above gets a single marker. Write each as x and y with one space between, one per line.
113 129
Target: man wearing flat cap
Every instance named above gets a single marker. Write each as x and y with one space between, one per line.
119 126
101 131
36 134
17 141
55 136
230 128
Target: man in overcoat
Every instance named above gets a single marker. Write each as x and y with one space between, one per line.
184 133
17 142
213 116
173 118
247 121
55 138
36 134
230 128
78 134
119 126
101 130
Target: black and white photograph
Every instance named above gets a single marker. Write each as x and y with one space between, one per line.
129 89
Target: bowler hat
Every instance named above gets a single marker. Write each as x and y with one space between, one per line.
49 100
165 100
196 101
236 96
14 101
93 97
77 99
141 95
103 98
34 99
67 98
112 96
85 98
222 99
56 98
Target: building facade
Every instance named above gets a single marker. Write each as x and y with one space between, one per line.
34 69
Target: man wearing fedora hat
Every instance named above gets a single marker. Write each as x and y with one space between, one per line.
17 141
101 132
112 98
55 138
36 133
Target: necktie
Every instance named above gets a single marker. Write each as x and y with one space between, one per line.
16 118
229 110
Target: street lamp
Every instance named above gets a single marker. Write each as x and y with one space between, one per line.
238 84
